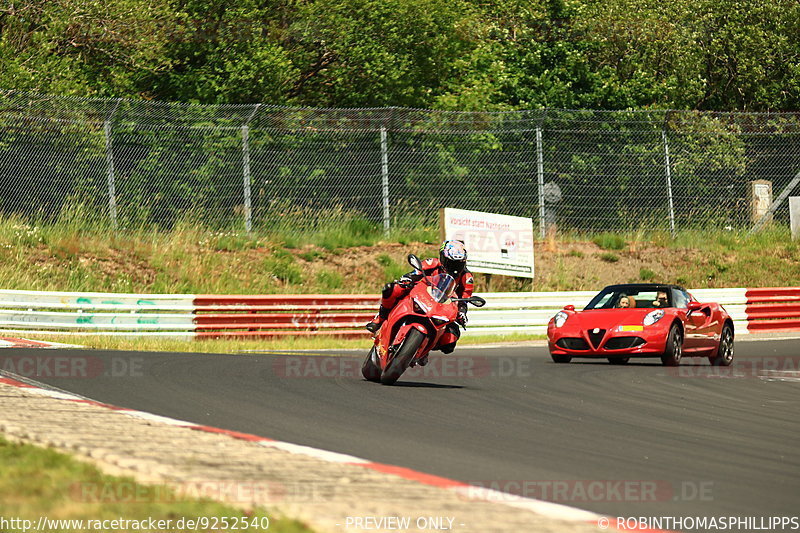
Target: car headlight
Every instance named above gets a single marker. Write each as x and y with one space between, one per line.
560 318
652 317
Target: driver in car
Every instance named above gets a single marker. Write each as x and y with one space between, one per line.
452 260
661 299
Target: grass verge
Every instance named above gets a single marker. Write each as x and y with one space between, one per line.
38 482
353 256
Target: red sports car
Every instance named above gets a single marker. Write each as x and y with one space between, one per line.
642 320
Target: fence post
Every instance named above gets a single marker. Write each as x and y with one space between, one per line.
248 206
112 188
385 178
668 173
540 179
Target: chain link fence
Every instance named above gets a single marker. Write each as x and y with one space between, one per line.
266 168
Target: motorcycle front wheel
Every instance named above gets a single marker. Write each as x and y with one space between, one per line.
403 357
370 369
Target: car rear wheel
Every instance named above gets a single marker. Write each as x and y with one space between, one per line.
560 358
674 350
619 360
724 355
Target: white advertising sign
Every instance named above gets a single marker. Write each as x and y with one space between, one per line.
496 244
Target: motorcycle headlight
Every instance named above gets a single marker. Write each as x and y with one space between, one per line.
652 317
560 318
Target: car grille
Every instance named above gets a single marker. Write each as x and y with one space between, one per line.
596 338
621 343
572 343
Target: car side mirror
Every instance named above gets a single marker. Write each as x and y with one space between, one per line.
694 306
569 307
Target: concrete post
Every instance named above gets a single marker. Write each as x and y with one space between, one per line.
794 216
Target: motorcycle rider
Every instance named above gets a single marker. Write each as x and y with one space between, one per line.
452 260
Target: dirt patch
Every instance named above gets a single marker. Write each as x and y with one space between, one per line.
586 266
569 266
111 267
119 263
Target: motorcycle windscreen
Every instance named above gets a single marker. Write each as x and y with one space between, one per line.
442 286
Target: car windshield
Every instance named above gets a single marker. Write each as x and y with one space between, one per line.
441 287
631 297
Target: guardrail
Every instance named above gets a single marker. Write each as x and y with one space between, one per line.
206 316
773 309
96 313
281 315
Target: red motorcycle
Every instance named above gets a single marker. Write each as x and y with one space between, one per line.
414 327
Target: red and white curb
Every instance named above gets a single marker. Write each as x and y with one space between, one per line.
11 342
543 508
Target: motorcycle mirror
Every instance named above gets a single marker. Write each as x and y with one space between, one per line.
414 261
477 301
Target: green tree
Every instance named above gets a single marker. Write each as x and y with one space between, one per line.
447 54
84 47
685 54
378 52
230 52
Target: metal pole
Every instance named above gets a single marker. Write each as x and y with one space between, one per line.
385 178
112 189
668 172
248 208
248 205
540 178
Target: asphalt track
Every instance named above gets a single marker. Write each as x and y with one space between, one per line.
692 441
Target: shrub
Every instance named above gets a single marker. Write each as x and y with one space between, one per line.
348 234
311 255
391 268
609 241
645 274
330 279
384 260
281 264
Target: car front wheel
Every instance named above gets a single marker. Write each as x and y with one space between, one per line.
674 349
